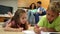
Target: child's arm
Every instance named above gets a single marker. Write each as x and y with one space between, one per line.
37 29
48 29
14 29
28 25
10 14
51 30
8 28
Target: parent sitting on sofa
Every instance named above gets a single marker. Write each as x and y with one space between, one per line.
40 11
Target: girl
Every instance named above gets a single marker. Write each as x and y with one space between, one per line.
18 21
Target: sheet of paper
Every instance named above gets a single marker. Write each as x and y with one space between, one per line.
29 32
50 32
32 32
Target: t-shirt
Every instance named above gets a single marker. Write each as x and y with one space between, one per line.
55 24
16 25
34 10
41 9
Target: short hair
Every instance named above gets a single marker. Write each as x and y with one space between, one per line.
39 2
54 6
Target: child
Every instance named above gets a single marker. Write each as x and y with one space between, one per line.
18 21
51 21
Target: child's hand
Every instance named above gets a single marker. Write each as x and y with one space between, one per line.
9 13
36 29
20 29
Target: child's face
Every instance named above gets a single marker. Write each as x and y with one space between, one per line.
23 18
51 15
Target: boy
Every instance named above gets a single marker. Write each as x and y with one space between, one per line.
51 21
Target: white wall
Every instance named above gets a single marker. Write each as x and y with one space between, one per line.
12 3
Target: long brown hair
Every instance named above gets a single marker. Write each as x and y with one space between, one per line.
34 6
16 17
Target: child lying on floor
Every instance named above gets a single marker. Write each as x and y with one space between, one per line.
51 21
18 21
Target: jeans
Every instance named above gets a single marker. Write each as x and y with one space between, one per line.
31 18
37 16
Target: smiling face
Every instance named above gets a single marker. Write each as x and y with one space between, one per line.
51 15
23 18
